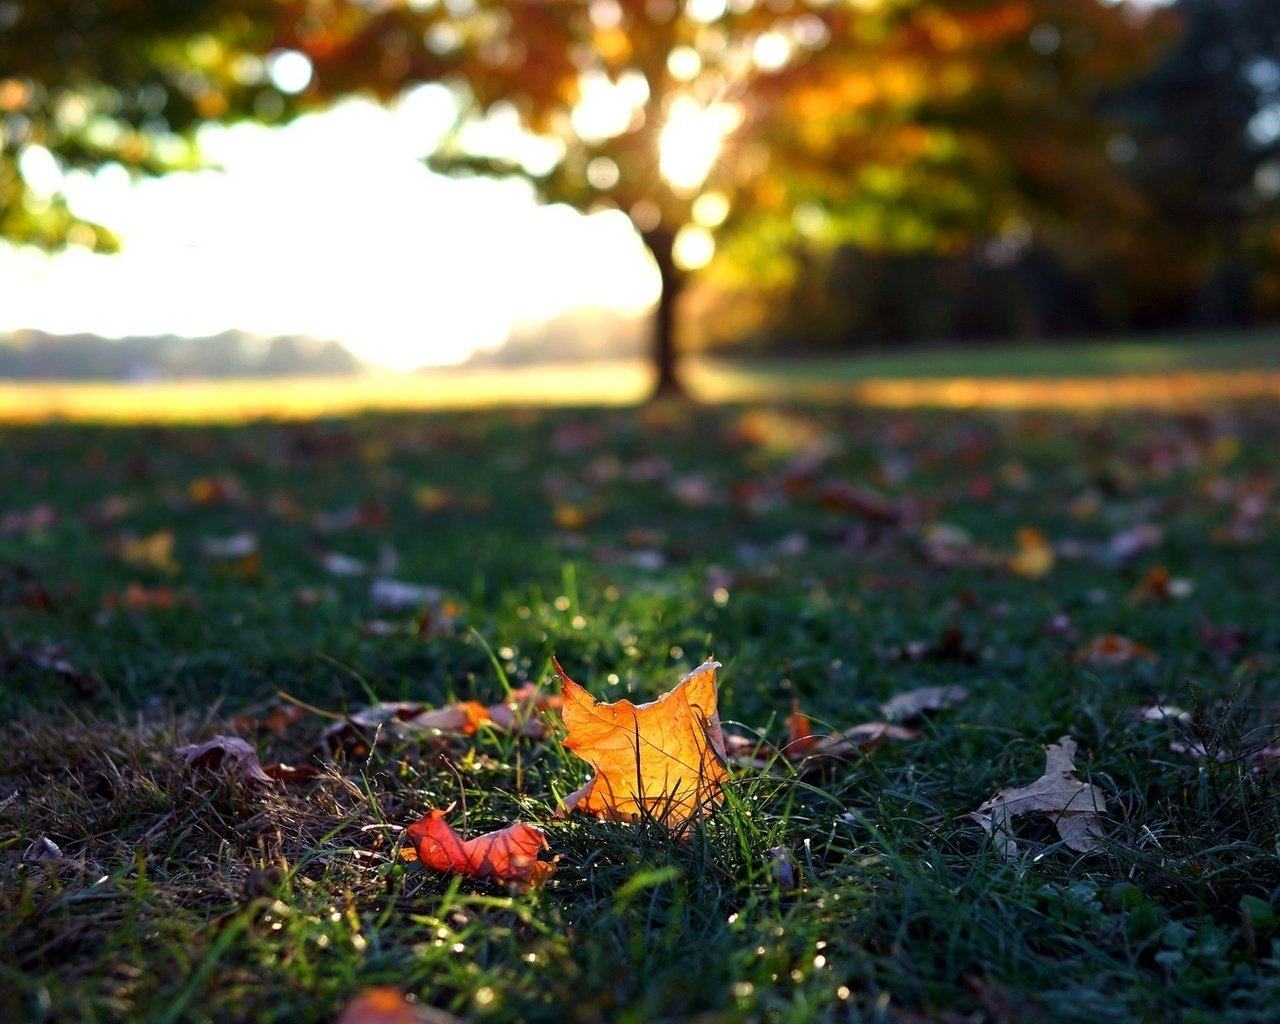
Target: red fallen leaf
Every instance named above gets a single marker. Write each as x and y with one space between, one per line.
225 752
378 1006
137 597
663 759
846 497
1112 649
288 773
507 855
1159 585
387 1006
800 732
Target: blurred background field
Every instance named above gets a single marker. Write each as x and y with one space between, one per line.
1169 373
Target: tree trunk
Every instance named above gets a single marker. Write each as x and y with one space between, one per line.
667 381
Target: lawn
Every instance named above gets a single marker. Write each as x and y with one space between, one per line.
1109 578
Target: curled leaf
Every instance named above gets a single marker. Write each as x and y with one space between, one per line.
1073 805
663 760
507 855
228 752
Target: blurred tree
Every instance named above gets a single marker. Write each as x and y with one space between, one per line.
912 124
85 83
749 124
1205 152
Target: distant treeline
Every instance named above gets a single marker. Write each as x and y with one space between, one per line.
1192 239
853 299
32 355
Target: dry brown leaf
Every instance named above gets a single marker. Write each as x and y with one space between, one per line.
508 855
228 752
1112 650
921 701
464 717
782 866
664 759
1073 805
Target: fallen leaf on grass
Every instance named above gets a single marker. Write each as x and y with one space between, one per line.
387 1006
1113 650
664 759
234 546
44 851
1158 585
141 598
1034 557
922 701
507 855
518 714
154 551
951 646
396 595
1073 805
356 732
337 564
225 752
782 866
50 658
864 738
40 517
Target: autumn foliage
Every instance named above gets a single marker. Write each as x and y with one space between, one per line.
507 855
662 761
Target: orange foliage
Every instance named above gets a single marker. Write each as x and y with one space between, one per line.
507 855
663 760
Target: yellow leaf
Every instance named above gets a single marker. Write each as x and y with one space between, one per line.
1034 557
663 760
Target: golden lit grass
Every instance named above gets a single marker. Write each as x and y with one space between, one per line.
616 383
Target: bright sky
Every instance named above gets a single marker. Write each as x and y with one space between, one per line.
330 227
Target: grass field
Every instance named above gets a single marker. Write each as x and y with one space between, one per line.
1105 576
1174 372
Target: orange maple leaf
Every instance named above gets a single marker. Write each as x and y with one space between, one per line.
509 854
663 760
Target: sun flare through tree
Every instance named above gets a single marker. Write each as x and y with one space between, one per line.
917 123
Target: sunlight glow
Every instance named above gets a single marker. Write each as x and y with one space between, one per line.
331 227
691 141
693 247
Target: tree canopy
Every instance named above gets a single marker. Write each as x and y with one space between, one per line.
911 124
739 123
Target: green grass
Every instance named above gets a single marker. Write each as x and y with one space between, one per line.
184 896
1254 350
